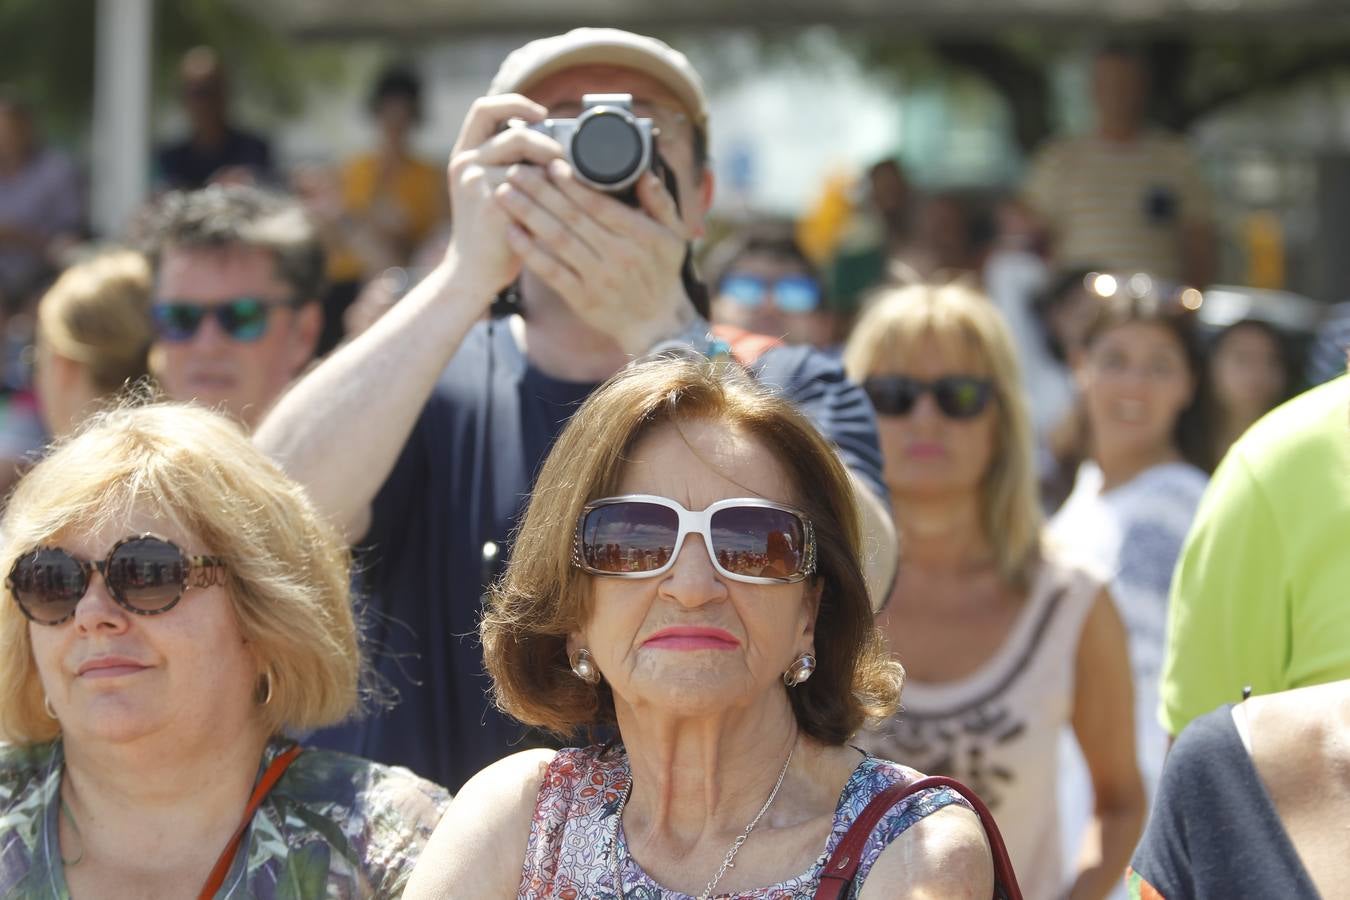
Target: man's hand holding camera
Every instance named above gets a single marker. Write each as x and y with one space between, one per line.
479 253
617 267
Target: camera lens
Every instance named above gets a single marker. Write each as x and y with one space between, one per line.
606 148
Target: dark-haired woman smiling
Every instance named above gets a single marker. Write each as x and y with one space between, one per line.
1145 450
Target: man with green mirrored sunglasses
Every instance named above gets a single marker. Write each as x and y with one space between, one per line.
238 271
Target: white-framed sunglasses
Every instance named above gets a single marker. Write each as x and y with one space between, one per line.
748 539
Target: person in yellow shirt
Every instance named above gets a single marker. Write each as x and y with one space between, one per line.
391 200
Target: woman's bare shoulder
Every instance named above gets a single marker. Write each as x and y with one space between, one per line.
478 849
943 855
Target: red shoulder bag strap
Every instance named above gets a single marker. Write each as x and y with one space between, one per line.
265 784
842 865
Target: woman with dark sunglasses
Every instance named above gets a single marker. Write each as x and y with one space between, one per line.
686 582
1004 644
174 606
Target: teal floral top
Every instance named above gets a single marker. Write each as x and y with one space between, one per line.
334 827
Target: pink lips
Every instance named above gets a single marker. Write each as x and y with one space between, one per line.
925 451
109 667
692 638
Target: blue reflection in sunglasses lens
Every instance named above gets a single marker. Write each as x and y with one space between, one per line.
244 320
796 294
745 290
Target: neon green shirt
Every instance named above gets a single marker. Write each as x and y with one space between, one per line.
1261 595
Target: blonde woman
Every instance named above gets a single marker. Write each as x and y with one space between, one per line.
173 606
1003 643
93 335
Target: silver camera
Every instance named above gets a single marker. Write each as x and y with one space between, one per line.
609 147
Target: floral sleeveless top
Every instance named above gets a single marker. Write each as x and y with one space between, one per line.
569 856
335 827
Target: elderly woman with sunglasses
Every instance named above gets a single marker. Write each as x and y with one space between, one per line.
686 581
1004 643
175 605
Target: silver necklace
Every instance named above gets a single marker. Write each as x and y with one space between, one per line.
727 861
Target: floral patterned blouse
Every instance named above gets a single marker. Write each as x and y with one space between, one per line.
569 857
334 827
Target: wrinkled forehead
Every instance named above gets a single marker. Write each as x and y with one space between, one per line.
700 461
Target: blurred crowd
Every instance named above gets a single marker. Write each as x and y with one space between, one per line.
1103 532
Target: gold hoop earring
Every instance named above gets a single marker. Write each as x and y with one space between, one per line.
267 689
583 666
47 707
800 670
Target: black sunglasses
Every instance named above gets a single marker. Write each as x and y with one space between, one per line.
243 318
958 396
145 574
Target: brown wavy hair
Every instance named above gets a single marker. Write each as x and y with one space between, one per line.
543 598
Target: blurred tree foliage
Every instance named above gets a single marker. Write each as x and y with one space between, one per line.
1192 76
1194 73
47 51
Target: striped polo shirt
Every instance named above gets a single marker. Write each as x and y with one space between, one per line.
1119 205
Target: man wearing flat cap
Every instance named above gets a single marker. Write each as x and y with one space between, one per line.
422 436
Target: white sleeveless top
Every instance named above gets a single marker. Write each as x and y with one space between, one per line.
997 729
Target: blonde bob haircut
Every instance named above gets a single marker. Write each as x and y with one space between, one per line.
286 569
542 597
891 330
98 315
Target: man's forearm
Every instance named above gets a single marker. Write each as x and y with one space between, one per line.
341 428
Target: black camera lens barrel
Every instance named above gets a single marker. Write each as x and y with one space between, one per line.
607 147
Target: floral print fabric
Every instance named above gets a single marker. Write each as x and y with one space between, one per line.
569 858
334 827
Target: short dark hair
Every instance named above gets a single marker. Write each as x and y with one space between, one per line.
775 239
220 216
398 82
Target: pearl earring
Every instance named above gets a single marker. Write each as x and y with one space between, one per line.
583 666
800 670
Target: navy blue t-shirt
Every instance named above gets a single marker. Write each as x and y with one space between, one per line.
1214 832
463 480
185 166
